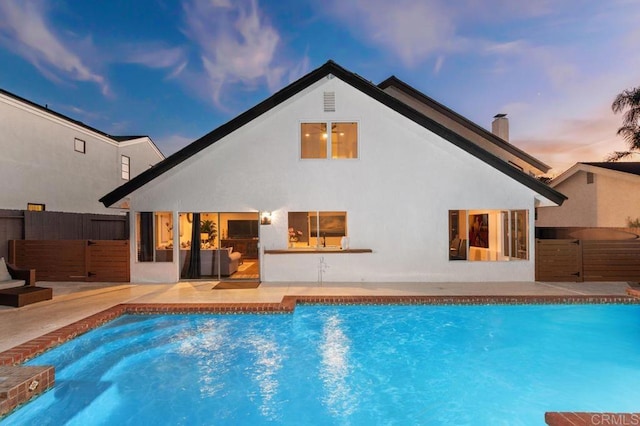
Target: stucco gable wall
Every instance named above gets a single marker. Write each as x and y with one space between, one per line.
618 199
142 153
397 194
580 209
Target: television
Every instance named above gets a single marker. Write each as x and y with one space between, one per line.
242 229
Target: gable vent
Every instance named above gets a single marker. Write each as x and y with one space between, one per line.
329 101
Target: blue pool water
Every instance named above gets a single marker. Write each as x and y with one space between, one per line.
351 365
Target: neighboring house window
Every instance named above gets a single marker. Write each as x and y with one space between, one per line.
317 142
154 236
125 163
316 229
35 207
589 178
488 235
79 145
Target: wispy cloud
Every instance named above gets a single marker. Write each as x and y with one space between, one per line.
236 43
521 54
155 55
25 30
589 138
412 30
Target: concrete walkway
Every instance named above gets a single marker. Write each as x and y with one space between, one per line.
75 301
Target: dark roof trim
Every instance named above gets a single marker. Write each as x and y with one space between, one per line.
69 119
631 167
127 138
355 81
393 81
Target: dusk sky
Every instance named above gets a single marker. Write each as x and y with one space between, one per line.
175 70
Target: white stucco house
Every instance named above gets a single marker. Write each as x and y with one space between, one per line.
601 195
52 162
336 179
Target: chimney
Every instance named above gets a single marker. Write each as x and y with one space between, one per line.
500 126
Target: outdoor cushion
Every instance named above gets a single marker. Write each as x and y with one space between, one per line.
4 272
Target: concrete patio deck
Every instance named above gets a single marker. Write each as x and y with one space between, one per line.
74 301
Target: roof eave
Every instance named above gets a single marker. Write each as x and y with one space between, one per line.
416 94
357 82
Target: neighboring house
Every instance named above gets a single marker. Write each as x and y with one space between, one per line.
602 195
333 179
54 163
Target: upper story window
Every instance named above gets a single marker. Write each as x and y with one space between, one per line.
589 177
79 145
317 141
125 163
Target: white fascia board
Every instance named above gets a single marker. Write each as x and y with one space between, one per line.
144 139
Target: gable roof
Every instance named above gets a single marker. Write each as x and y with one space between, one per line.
53 113
359 83
632 167
395 82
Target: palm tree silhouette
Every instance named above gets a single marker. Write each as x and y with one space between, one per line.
628 102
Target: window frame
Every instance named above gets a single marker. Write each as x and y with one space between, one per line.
80 145
310 234
125 174
149 234
328 140
513 237
36 207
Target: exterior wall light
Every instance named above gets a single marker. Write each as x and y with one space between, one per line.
265 218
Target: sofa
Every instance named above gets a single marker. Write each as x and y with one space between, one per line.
229 261
11 276
18 286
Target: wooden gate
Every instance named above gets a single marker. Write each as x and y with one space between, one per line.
559 260
73 260
578 260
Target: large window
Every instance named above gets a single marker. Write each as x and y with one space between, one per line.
154 236
316 141
316 229
488 235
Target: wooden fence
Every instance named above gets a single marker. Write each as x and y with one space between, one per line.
580 261
29 225
73 260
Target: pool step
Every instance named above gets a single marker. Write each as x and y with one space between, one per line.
19 384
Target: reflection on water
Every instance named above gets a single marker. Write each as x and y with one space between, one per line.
335 368
209 347
267 363
216 351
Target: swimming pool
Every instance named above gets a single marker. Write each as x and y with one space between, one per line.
347 365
